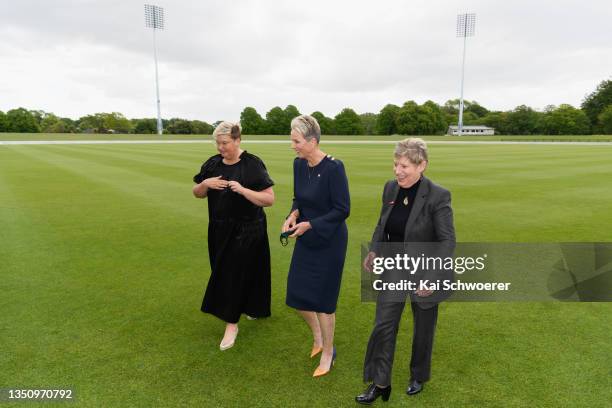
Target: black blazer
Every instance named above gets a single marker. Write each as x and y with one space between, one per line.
430 220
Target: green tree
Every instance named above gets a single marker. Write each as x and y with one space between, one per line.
277 122
368 121
605 120
291 112
348 123
597 101
470 118
49 123
177 126
91 123
450 119
523 120
431 119
472 111
498 121
327 124
407 118
66 125
386 122
452 106
144 126
564 120
477 109
104 123
252 123
427 119
116 122
199 127
54 124
4 126
39 116
21 120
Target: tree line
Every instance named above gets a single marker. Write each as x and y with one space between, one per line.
21 120
593 116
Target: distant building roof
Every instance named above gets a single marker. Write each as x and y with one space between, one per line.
475 127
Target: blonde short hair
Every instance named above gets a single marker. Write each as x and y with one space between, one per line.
413 149
307 126
227 129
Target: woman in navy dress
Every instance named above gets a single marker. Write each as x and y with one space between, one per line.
321 205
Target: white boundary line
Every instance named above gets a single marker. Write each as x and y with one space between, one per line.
465 142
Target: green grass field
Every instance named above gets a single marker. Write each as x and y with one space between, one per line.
104 263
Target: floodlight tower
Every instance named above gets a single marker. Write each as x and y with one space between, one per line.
154 18
465 28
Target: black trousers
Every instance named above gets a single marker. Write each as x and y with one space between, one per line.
381 347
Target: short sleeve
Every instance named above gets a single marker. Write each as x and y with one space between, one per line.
206 170
259 179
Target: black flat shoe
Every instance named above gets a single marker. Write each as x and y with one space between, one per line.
372 393
414 387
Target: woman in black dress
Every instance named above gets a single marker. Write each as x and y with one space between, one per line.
321 205
237 185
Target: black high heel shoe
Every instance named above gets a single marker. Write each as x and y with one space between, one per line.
372 393
414 387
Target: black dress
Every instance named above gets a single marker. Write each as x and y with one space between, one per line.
237 241
321 194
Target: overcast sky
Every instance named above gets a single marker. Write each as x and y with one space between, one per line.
218 56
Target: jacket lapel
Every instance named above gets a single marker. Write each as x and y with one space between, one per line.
391 196
419 202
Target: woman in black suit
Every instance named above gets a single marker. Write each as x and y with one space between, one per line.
414 210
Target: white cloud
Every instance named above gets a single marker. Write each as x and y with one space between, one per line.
216 57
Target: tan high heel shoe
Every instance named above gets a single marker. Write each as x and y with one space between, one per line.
321 372
315 350
224 346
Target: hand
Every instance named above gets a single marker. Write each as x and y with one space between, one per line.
369 259
289 223
300 229
423 292
215 183
236 187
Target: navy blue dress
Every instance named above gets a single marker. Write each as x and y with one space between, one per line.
321 195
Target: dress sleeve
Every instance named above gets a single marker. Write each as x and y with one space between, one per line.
325 226
205 170
260 179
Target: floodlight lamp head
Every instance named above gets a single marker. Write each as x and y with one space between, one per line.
154 17
466 24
